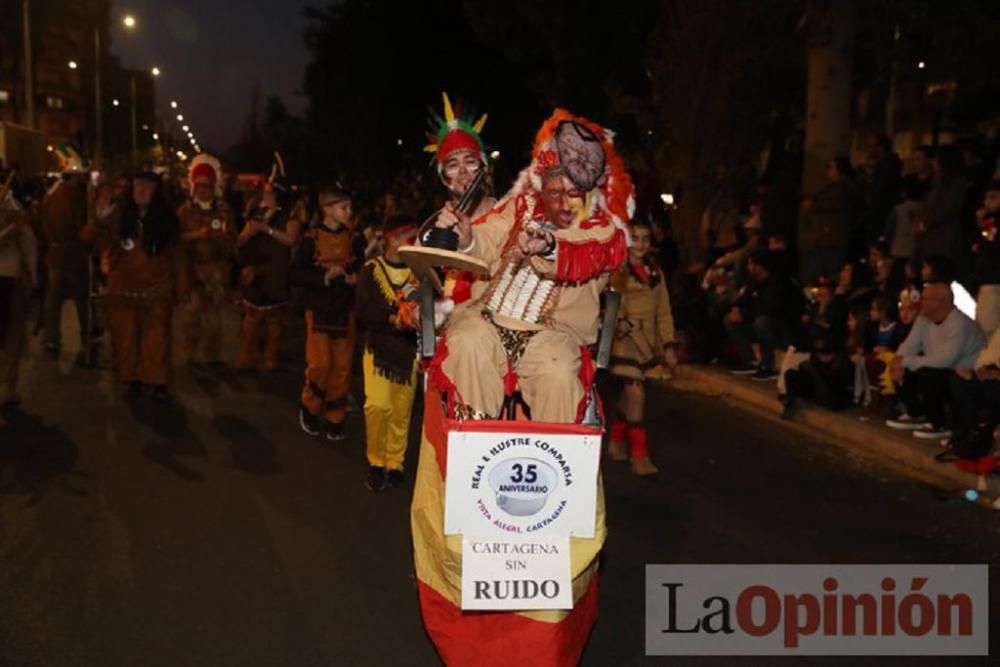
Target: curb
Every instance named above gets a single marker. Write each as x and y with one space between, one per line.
869 440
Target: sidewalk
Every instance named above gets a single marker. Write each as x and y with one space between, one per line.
856 430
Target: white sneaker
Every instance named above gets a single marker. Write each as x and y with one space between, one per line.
929 432
905 422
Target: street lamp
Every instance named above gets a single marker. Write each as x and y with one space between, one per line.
173 104
72 64
128 21
114 102
155 71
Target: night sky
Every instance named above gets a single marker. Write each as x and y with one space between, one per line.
211 53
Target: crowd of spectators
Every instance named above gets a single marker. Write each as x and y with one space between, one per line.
888 299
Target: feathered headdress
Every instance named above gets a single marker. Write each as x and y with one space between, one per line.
614 193
454 132
207 169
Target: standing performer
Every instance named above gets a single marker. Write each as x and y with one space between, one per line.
264 252
390 359
209 234
326 265
551 243
18 275
459 156
147 275
64 215
643 345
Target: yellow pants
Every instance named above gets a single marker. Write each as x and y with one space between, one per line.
387 416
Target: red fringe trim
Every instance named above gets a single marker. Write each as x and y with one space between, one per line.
579 262
587 374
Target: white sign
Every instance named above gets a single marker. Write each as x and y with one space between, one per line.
516 572
502 484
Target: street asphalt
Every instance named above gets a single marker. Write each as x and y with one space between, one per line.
215 532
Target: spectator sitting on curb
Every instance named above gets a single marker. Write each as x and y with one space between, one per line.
977 400
826 378
766 312
943 340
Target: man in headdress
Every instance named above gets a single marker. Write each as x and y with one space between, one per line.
551 244
209 235
264 252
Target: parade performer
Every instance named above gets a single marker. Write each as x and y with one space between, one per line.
18 276
147 276
64 215
209 235
326 265
459 157
644 344
264 253
551 244
390 358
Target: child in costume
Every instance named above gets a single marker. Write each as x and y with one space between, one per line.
643 346
390 358
326 265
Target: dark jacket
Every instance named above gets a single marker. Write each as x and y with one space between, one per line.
331 304
987 260
265 263
394 351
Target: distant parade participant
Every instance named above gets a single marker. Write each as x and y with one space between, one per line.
147 276
326 265
18 276
390 358
459 157
643 346
209 234
264 253
64 215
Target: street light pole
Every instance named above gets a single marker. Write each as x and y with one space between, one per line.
135 142
99 123
29 69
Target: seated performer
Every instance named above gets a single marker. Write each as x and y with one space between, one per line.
551 244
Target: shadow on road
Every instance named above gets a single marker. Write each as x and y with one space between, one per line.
33 455
250 450
170 422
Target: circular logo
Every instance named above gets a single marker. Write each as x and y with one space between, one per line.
522 485
128 244
216 224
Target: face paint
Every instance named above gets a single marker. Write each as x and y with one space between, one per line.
460 170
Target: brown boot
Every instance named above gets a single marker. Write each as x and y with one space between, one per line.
617 447
272 340
249 342
618 451
643 467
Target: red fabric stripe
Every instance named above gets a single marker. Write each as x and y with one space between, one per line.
501 639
